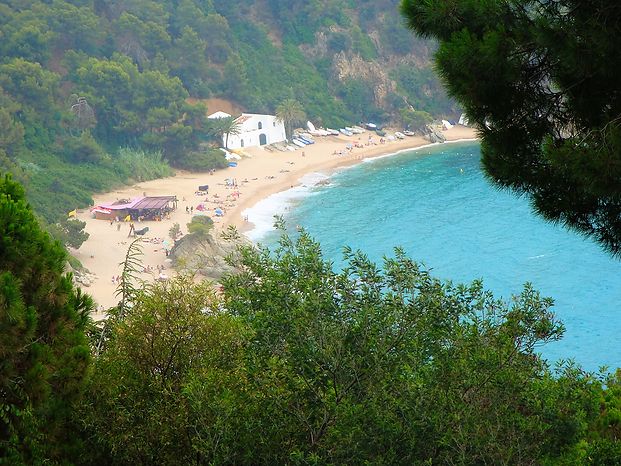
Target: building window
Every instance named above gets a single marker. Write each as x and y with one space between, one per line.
260 125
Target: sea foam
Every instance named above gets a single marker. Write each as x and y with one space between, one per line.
262 214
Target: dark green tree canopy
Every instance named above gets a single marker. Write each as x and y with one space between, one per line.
43 350
540 79
295 363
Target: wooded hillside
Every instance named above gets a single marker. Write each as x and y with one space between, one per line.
80 79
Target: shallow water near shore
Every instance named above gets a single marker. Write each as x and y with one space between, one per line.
437 205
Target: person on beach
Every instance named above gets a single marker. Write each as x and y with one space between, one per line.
132 229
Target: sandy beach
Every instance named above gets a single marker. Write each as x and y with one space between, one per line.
257 175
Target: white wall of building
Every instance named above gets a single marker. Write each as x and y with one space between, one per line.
256 130
218 114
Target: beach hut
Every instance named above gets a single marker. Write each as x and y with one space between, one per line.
147 207
101 213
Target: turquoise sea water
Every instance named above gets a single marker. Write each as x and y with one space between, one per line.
436 203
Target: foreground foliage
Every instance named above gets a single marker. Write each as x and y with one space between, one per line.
44 354
540 81
290 363
296 363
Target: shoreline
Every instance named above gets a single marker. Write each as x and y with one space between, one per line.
330 165
249 226
258 175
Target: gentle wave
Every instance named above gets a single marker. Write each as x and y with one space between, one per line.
262 214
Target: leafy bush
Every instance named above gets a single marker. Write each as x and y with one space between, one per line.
200 225
202 161
423 90
141 165
415 120
82 149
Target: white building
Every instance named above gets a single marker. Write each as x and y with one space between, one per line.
256 130
218 114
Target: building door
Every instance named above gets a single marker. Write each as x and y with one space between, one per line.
262 139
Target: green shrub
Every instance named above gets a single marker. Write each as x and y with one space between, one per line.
202 161
141 165
200 225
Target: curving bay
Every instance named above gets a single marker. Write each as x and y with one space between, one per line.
436 203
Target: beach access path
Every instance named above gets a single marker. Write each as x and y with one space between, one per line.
233 190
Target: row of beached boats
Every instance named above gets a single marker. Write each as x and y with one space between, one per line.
302 138
347 130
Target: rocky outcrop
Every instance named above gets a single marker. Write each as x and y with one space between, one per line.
81 276
205 254
434 135
83 279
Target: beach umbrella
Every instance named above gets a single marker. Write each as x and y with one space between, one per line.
218 211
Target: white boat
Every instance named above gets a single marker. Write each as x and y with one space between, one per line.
333 132
399 135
